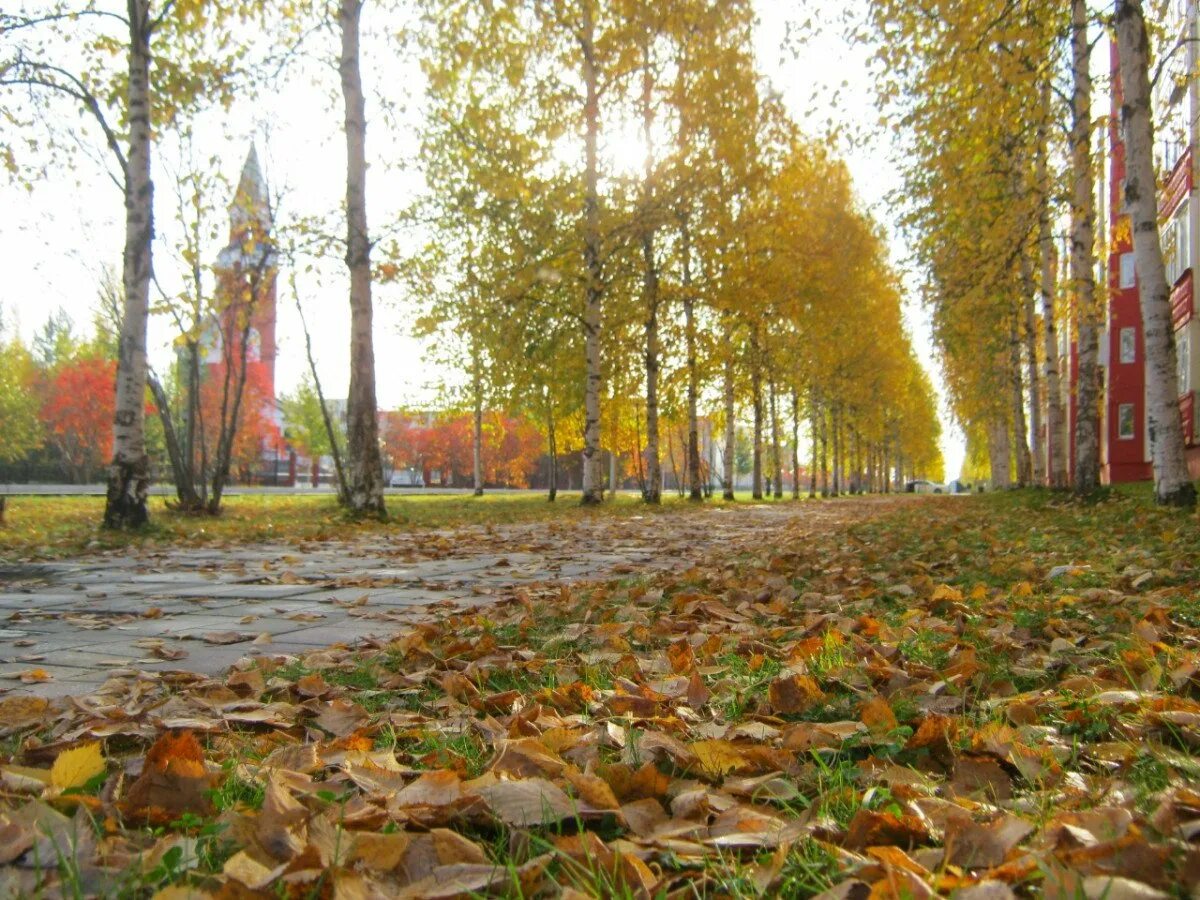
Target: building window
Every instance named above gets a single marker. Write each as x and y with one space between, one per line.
1125 420
1177 244
1128 271
1128 345
1183 360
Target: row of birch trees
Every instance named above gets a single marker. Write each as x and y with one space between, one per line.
626 217
732 261
995 106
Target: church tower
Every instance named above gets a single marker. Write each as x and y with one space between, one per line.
246 272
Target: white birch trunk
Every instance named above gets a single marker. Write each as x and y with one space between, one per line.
477 430
1055 448
695 482
756 491
1172 483
1028 302
813 430
836 427
650 293
795 444
1000 454
129 475
1020 438
593 476
364 463
728 459
776 449
1083 214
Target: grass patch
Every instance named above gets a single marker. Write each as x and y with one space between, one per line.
51 527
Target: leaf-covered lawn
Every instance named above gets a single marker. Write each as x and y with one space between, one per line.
47 527
964 696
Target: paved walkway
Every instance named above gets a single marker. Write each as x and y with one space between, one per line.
66 627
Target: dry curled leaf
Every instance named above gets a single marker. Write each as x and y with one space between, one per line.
174 781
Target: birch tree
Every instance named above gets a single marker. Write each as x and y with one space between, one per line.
1083 216
1172 482
172 57
364 465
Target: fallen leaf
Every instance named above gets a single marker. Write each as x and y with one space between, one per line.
341 717
226 637
794 694
717 757
173 781
974 846
877 715
76 767
531 801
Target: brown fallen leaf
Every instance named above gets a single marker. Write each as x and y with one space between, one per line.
980 776
20 712
438 788
341 717
974 846
312 685
468 879
226 637
380 852
173 781
877 715
681 657
281 823
594 791
873 829
794 694
301 758
246 870
532 801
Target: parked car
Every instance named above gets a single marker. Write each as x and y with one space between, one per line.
924 487
407 478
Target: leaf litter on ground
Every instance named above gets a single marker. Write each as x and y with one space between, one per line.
911 700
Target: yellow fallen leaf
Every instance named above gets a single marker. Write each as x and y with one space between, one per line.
76 767
945 592
717 757
877 715
244 868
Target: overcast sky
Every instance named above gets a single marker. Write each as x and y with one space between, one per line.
57 238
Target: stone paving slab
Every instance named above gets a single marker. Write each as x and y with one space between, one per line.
78 621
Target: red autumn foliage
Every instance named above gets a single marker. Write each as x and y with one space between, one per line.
511 446
256 428
77 414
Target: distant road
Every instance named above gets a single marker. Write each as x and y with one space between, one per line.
90 490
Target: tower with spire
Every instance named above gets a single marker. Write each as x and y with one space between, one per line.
246 272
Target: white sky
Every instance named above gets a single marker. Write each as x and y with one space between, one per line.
56 240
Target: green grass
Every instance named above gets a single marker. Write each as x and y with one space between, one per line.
43 527
463 752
